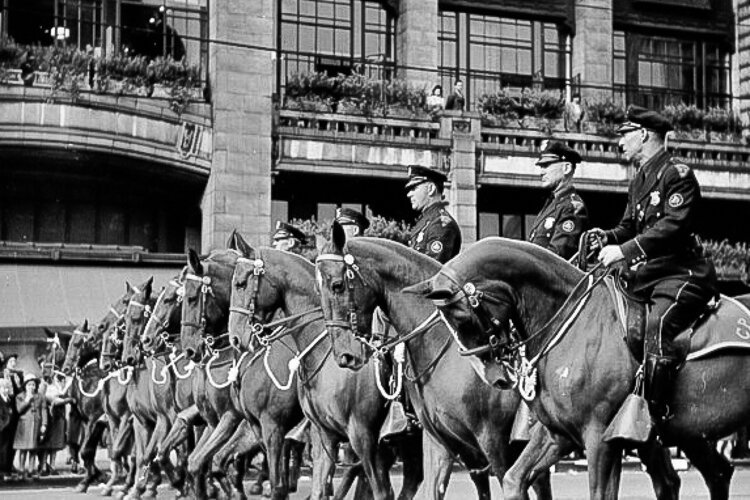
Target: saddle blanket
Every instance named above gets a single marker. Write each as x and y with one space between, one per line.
725 327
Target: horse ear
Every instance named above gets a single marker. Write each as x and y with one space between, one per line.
421 288
128 286
338 236
231 242
195 262
242 246
148 286
85 325
50 333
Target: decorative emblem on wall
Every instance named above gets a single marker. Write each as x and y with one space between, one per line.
190 140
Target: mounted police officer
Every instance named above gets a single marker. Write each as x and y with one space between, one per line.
353 222
435 233
564 217
655 238
288 238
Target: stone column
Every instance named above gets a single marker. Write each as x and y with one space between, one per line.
741 72
592 48
465 131
238 192
417 41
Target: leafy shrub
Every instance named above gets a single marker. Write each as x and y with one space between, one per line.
729 259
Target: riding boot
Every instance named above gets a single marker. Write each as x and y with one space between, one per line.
661 374
301 432
396 422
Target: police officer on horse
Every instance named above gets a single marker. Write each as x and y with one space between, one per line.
655 239
559 225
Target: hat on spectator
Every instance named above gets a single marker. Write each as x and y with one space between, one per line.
284 231
638 117
556 151
30 377
348 216
419 174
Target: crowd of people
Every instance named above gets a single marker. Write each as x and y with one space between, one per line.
33 422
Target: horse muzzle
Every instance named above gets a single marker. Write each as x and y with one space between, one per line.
350 361
497 377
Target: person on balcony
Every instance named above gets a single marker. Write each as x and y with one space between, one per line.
436 101
563 218
655 240
456 100
27 70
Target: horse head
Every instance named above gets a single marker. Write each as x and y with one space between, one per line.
136 315
164 320
205 306
80 350
111 347
486 294
348 301
54 353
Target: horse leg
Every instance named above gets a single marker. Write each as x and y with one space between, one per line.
713 466
604 464
410 449
88 455
324 447
658 464
273 437
437 467
242 442
481 480
541 452
198 479
142 434
218 437
375 461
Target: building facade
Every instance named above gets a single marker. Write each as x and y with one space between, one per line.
96 179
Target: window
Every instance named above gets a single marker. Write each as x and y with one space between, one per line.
500 52
659 71
334 36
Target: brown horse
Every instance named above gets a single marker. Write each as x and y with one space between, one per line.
152 403
577 368
343 405
462 417
270 413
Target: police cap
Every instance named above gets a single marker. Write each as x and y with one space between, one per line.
638 117
556 151
346 216
284 231
419 174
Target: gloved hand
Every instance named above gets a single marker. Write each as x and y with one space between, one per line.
595 236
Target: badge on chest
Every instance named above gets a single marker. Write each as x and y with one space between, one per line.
655 198
549 222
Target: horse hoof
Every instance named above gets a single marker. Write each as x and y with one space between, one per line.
255 489
107 491
267 489
120 495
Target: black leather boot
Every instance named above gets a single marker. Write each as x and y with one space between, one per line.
661 373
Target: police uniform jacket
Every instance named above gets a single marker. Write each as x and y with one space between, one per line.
559 225
436 233
656 231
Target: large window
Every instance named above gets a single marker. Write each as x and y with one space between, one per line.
337 36
500 52
656 71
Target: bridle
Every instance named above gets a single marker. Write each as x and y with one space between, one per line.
204 291
352 271
162 323
278 329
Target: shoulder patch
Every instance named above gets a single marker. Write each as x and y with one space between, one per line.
445 219
568 226
675 200
682 169
436 247
577 204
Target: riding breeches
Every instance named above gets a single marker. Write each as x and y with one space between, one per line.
675 306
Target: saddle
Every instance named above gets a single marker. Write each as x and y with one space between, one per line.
724 325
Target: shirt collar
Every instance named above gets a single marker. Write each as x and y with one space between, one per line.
562 189
654 162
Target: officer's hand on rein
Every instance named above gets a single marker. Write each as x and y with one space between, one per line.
611 254
595 236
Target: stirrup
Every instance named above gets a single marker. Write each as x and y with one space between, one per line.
396 422
300 432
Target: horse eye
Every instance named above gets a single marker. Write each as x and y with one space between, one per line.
337 286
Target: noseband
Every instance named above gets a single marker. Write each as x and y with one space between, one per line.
162 324
259 270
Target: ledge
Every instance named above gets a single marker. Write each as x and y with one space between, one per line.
62 252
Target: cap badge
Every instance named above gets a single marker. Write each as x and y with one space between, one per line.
568 226
655 198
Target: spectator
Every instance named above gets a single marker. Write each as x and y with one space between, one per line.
27 70
54 440
32 425
456 100
436 102
574 114
7 428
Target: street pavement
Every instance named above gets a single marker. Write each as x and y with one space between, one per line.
568 485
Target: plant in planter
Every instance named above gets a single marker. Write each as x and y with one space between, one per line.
722 125
687 121
499 109
604 116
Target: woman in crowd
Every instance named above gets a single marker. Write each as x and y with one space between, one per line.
7 428
32 424
54 439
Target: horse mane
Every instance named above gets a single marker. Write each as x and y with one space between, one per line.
225 256
424 266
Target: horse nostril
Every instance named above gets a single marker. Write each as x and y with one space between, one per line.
130 360
146 342
235 341
190 353
346 360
